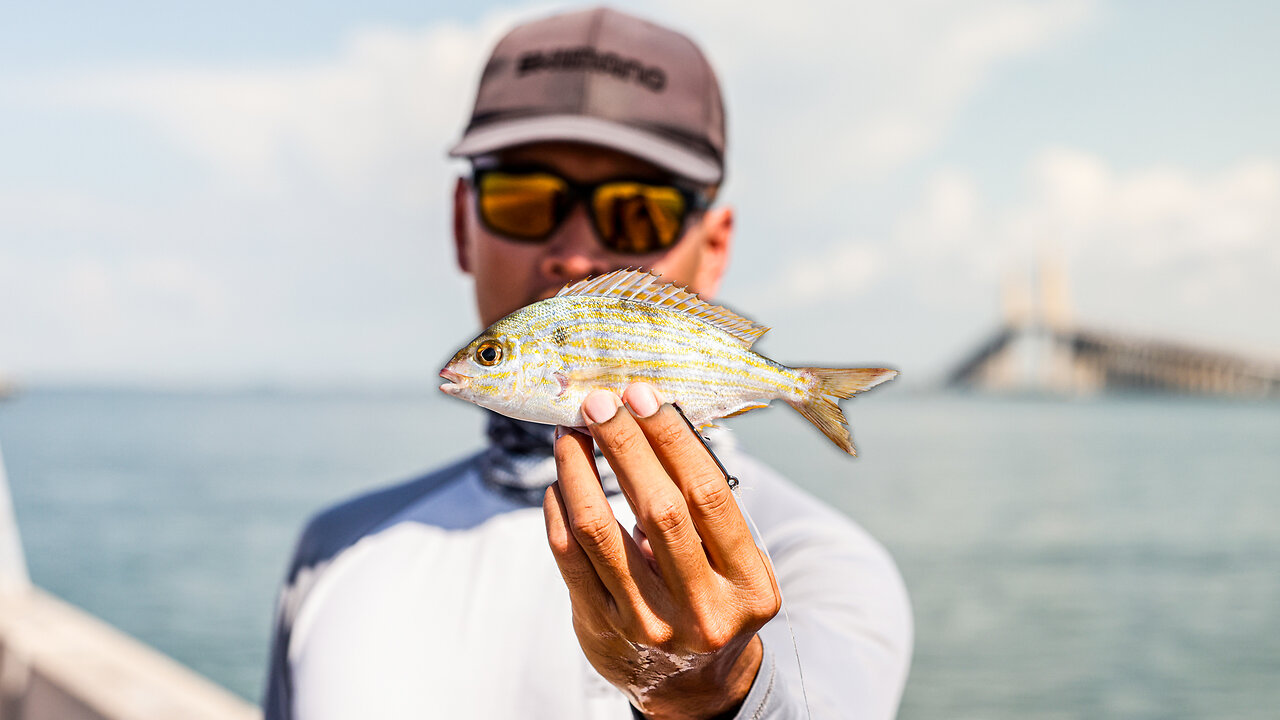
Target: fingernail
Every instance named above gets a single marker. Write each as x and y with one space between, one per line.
561 431
643 400
601 406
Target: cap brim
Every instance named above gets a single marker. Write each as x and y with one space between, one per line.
647 146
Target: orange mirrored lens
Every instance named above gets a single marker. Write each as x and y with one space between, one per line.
638 218
521 206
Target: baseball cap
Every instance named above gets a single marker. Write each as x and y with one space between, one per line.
605 78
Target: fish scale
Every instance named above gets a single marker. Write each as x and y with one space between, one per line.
540 362
717 364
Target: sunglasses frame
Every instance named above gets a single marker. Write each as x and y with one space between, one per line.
696 201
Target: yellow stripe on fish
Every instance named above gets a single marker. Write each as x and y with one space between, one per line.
540 362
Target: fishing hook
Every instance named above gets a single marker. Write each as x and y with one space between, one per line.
733 481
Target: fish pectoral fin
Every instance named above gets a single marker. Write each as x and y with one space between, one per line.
596 373
589 375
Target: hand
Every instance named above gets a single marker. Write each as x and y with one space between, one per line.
669 616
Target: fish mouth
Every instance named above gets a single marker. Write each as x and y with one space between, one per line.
455 384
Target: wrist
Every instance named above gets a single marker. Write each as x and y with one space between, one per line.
714 692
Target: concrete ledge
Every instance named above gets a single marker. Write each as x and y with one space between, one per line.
60 663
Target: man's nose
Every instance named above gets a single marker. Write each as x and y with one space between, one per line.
574 252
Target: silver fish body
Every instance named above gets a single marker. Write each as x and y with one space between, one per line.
540 362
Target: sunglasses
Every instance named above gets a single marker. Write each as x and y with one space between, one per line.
630 217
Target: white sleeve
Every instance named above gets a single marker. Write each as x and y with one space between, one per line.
846 604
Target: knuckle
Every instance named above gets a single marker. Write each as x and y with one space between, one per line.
711 494
717 625
576 576
592 619
666 515
712 637
560 541
654 632
559 536
669 435
764 605
620 443
593 529
561 451
713 624
565 449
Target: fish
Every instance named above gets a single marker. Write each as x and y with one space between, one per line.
605 332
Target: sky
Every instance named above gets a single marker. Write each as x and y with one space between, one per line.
243 193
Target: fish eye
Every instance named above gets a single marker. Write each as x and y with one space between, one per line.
489 353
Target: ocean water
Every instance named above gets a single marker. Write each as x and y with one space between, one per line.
1114 557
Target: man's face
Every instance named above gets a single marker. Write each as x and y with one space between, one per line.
510 274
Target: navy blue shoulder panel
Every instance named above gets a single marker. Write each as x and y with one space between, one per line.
329 533
333 530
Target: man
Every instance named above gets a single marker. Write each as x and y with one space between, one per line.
597 142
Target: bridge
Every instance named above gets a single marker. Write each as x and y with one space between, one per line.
1079 361
1040 349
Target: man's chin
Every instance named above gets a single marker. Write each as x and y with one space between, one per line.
548 292
552 291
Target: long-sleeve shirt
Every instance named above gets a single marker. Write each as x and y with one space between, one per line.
439 598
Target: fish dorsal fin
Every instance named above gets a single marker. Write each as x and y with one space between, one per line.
645 287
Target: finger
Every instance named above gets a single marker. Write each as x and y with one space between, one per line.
610 549
658 504
707 495
586 591
642 542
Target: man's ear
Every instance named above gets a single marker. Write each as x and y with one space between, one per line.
717 241
461 230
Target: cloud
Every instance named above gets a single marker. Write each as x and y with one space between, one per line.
848 272
843 88
854 90
1156 217
367 121
311 243
828 98
1159 250
316 235
131 316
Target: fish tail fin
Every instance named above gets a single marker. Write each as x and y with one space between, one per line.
819 401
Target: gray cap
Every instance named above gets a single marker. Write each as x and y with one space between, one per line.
604 78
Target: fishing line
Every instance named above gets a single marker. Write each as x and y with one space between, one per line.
786 616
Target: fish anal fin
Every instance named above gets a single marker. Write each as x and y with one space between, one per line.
748 408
